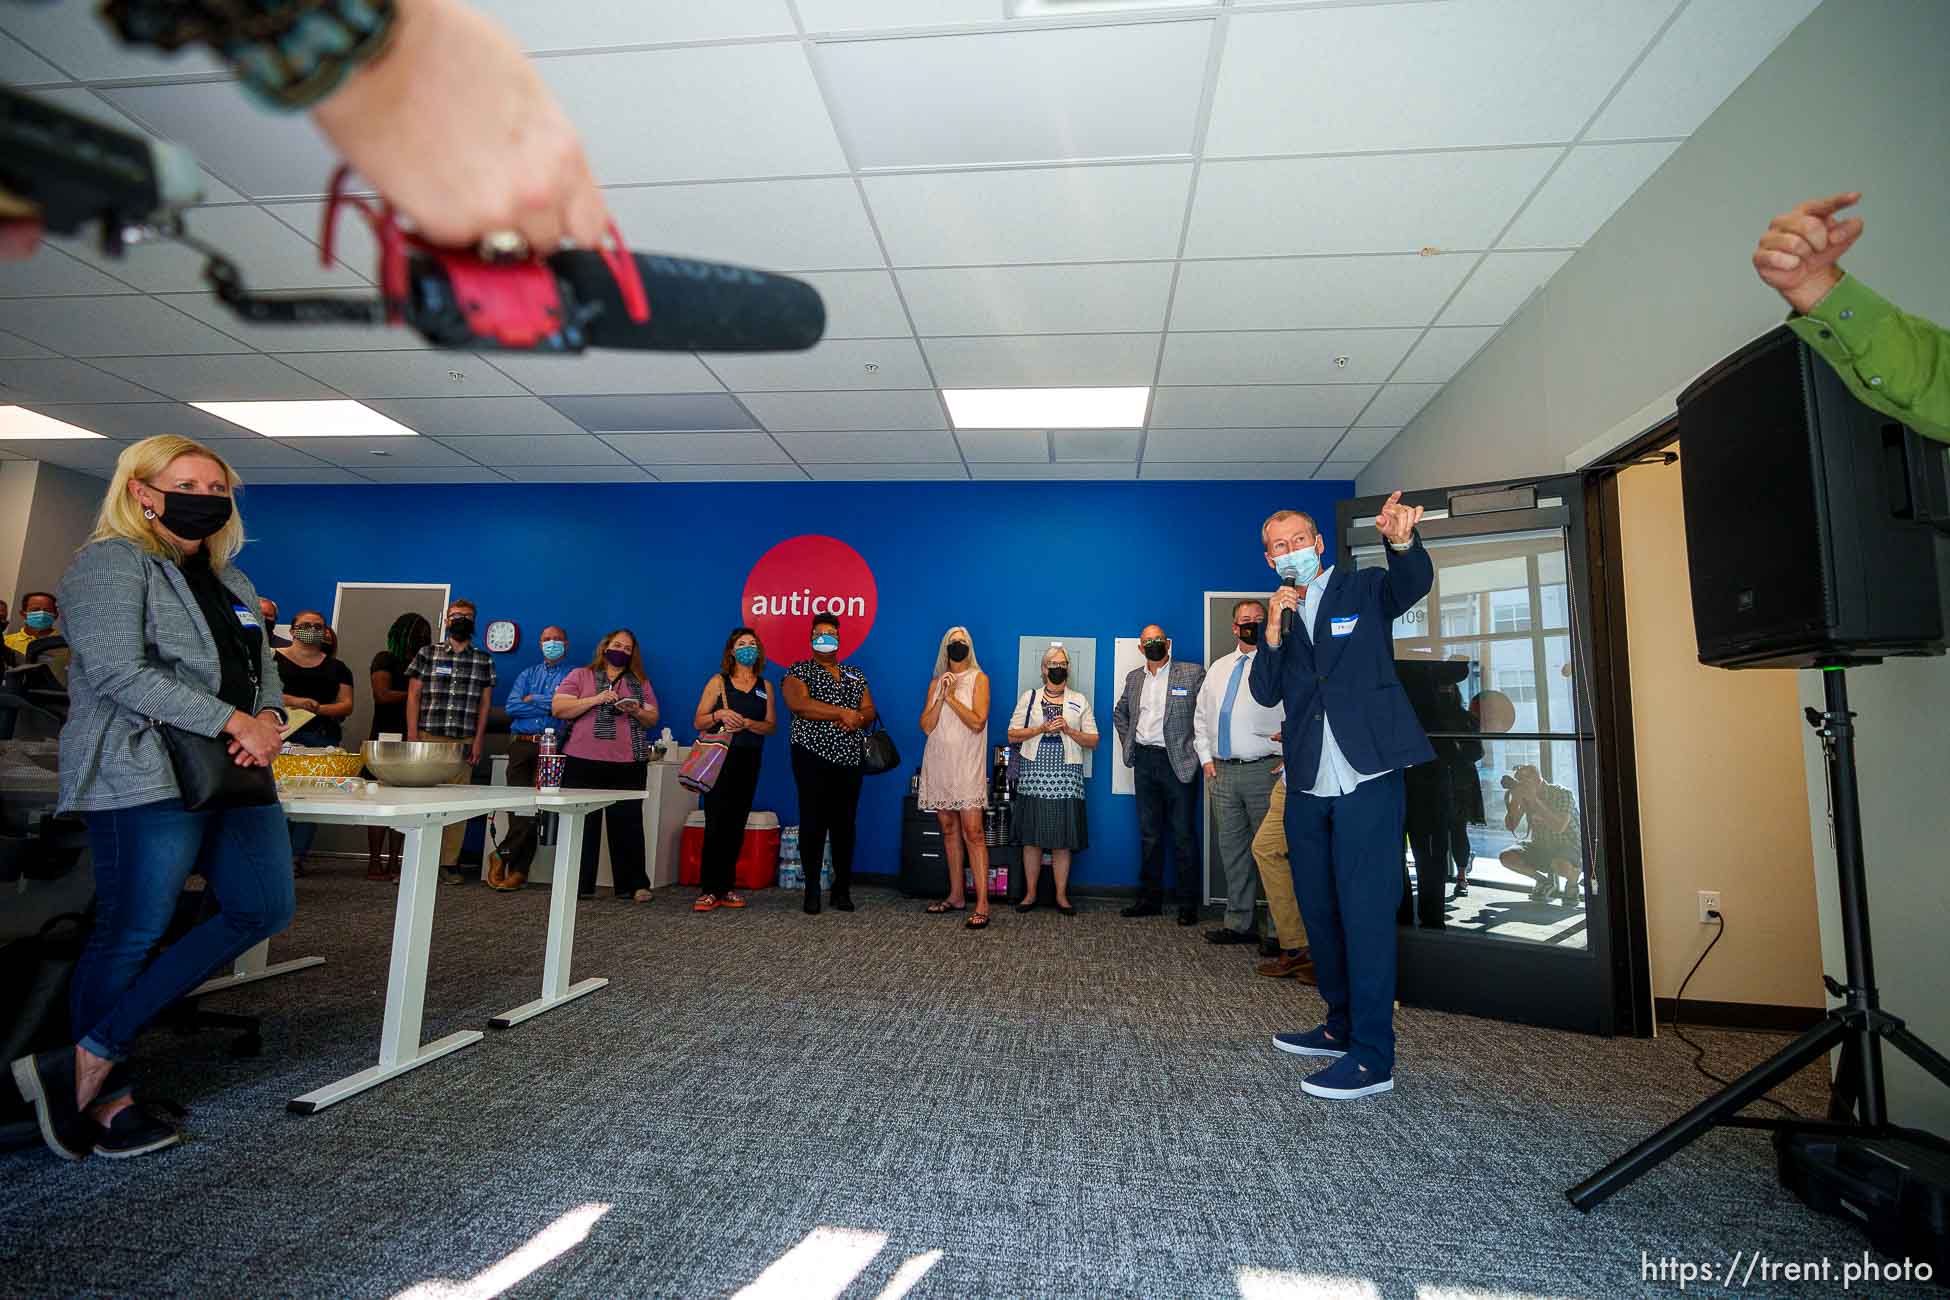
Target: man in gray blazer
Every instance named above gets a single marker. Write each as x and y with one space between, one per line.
1155 721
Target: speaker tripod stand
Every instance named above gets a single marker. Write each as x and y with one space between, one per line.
1857 1105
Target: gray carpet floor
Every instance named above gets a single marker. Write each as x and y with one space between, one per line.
1058 1107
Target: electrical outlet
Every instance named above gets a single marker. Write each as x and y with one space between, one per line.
1709 901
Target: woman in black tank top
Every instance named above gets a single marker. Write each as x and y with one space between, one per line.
737 700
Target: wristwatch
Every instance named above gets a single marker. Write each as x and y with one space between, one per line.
289 54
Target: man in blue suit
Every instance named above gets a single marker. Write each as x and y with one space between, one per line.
1349 731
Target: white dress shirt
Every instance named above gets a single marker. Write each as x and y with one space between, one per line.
1337 776
1152 699
1253 724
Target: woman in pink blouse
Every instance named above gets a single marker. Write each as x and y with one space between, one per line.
610 709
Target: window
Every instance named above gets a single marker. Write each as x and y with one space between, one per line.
1510 611
1520 684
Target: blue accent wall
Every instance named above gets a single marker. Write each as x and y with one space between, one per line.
670 561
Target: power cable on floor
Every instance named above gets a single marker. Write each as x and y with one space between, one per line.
1699 1053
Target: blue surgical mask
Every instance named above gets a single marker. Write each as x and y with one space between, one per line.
826 645
40 620
1303 566
553 650
748 654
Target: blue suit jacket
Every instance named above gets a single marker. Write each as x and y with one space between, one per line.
1349 680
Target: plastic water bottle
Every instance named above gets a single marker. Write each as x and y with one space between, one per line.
548 764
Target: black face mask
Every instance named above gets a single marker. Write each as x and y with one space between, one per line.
1155 651
1249 634
460 629
194 516
1058 675
957 651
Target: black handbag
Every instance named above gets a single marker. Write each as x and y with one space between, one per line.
881 755
209 778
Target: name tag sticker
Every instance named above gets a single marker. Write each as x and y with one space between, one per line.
443 670
244 616
1181 690
760 693
1343 626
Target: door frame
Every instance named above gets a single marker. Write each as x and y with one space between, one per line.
1208 835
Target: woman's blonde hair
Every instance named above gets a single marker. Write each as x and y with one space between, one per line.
941 665
121 515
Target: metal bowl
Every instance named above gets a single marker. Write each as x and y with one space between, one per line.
414 762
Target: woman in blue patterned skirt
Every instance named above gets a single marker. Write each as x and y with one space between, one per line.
1054 726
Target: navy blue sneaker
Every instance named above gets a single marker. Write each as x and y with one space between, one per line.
1346 1079
1315 1042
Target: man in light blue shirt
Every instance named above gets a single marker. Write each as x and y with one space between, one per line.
528 706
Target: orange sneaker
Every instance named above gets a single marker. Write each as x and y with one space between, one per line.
705 903
731 900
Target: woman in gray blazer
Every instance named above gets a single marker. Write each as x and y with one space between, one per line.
164 631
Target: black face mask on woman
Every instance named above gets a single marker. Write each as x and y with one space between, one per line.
957 651
1058 675
194 516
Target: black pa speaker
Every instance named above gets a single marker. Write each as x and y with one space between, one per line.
1811 519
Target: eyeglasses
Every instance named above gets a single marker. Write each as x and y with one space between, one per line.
307 627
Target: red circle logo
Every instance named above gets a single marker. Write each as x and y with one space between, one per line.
803 576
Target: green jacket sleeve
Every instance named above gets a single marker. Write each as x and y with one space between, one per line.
1897 363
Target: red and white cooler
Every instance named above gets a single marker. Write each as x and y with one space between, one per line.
758 859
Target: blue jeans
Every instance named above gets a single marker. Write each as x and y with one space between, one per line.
142 857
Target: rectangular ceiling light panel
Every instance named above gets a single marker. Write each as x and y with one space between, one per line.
1047 408
332 419
19 422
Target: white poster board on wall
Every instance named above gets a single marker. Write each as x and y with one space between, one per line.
1127 657
1029 677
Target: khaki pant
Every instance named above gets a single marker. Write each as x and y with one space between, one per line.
453 836
1275 876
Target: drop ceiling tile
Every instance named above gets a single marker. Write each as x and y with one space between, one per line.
122 327
324 474
1284 356
1392 203
260 153
1096 445
50 272
593 24
861 15
1040 214
1045 361
1397 404
1442 354
870 448
352 241
1070 470
1237 471
622 472
136 420
1315 293
597 372
20 66
404 374
807 225
449 474
1501 285
782 473
1347 470
1363 443
1582 194
362 454
12 346
293 338
885 473
90 455
729 446
248 455
460 417
860 304
837 363
221 379
745 110
553 449
857 411
1129 296
1266 445
269 254
1020 97
87 104
74 37
683 411
1015 445
66 381
1275 406
1703 56
1422 76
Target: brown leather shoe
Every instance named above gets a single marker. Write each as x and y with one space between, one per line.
1299 965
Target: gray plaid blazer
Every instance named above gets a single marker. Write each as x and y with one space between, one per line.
1179 716
141 654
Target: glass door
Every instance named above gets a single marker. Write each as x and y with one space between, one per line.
1504 887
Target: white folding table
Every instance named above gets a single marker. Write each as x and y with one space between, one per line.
419 814
573 807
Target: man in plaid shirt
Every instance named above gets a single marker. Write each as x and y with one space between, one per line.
448 685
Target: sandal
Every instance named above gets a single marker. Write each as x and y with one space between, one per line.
978 921
705 903
730 900
641 896
936 909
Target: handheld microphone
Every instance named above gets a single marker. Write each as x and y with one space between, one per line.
695 306
1287 615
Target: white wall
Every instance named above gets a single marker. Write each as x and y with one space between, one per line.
65 506
1856 98
16 508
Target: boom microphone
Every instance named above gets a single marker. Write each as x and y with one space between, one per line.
1286 615
694 306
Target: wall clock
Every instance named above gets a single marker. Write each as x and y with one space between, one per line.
502 636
